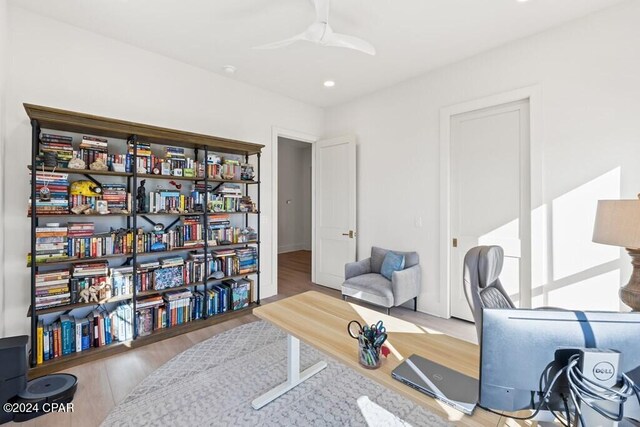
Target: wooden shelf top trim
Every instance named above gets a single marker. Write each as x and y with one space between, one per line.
70 121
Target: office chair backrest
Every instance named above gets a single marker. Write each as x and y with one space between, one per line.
482 287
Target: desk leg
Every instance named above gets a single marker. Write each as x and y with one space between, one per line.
294 376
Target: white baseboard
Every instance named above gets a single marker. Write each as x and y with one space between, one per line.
294 247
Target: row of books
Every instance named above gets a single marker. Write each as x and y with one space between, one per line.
52 193
62 287
221 203
80 229
102 327
52 197
52 289
69 335
228 198
96 282
59 145
183 306
51 244
187 235
233 262
92 149
173 201
171 309
60 243
116 196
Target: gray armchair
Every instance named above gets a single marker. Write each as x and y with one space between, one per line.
482 287
363 280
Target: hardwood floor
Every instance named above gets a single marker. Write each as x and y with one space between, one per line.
104 383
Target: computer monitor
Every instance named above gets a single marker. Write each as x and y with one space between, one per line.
522 350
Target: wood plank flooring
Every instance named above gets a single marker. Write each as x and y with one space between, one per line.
104 383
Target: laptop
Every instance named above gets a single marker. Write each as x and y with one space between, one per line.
451 387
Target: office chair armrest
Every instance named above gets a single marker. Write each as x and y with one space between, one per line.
358 268
405 284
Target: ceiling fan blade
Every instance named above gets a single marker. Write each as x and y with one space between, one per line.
282 43
349 42
322 10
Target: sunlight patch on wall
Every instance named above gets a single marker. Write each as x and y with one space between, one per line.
597 293
572 227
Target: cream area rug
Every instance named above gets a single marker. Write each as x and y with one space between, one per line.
214 382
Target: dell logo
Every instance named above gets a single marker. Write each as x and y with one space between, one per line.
437 377
603 371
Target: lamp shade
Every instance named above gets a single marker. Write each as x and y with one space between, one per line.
618 223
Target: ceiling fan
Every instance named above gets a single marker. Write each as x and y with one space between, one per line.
321 33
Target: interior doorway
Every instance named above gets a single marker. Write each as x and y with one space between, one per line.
490 194
295 230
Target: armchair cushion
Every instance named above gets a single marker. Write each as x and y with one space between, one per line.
370 287
354 269
392 262
405 284
378 254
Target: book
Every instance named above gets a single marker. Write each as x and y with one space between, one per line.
40 342
169 277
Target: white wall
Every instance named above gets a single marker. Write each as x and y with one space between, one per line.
58 65
4 36
294 185
589 75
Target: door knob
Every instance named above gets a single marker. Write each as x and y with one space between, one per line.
351 234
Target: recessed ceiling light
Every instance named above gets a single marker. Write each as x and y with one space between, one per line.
522 1
329 83
229 69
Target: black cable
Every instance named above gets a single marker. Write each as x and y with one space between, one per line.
584 389
567 413
543 400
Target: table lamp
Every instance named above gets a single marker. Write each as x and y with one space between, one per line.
618 224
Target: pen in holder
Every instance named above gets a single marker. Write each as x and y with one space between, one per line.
370 340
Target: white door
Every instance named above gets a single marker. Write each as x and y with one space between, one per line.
335 209
490 193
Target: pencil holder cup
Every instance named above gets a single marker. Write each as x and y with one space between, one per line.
368 355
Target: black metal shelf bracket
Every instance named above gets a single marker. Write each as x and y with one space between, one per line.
153 223
174 222
92 179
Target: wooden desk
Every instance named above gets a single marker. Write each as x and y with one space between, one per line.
321 321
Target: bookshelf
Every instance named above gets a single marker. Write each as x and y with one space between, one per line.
129 138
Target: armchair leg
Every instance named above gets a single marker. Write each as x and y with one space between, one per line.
415 304
344 297
388 311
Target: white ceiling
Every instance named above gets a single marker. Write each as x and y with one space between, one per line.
411 36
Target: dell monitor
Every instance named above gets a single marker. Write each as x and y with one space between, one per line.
523 350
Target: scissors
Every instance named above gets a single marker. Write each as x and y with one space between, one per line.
379 328
375 334
360 331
